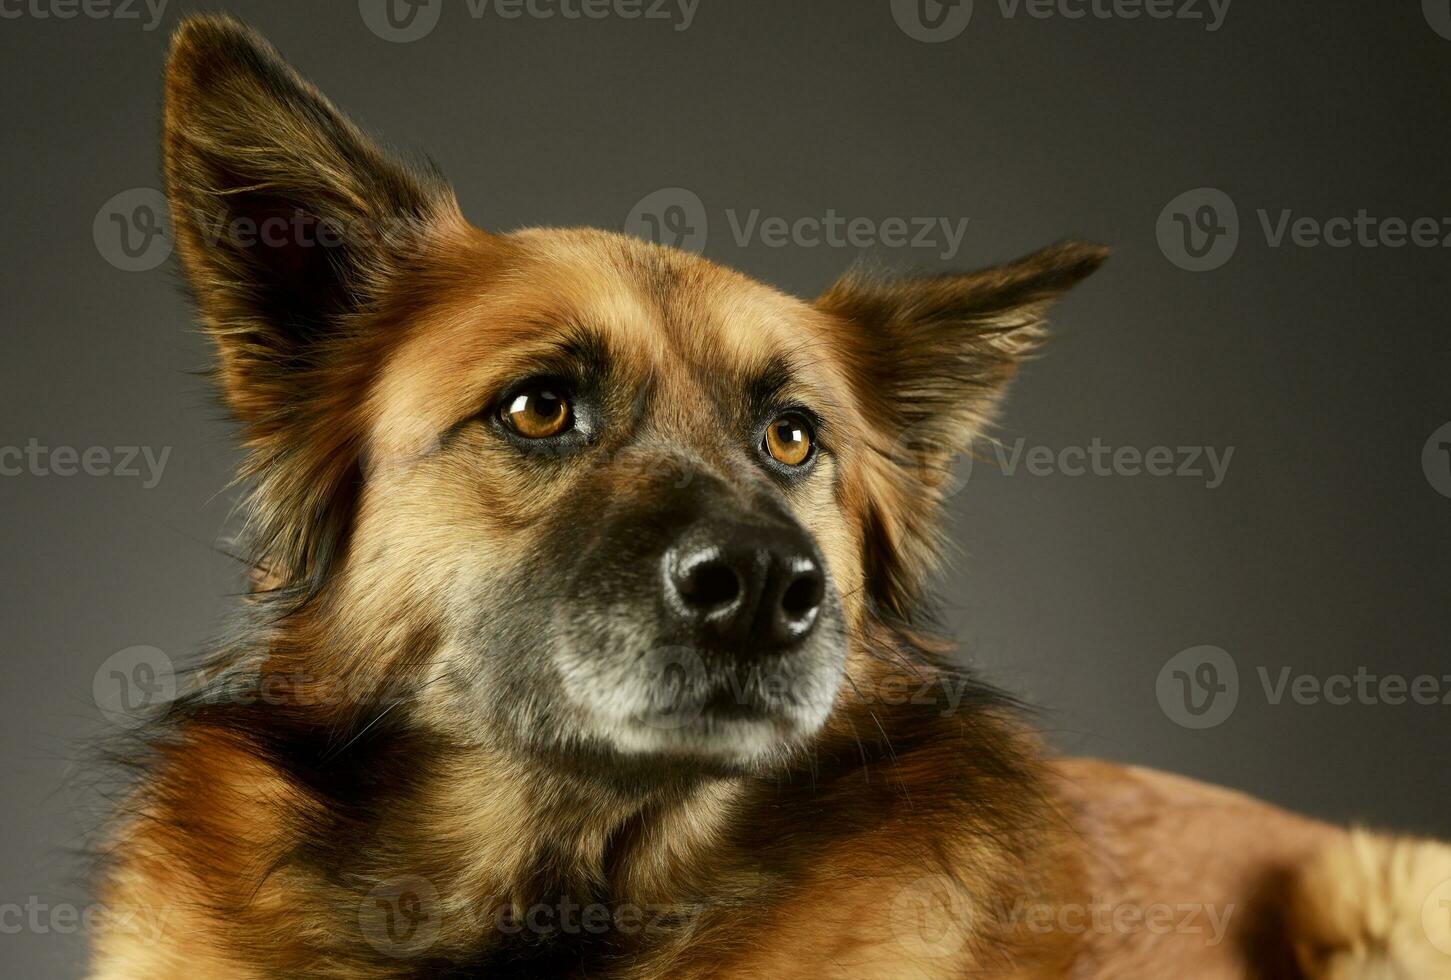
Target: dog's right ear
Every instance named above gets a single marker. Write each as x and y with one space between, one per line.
930 357
292 226
288 219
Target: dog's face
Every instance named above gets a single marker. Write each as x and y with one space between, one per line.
580 494
612 473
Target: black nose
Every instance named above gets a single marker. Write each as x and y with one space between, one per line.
753 589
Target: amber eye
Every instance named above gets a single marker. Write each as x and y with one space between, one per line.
788 439
537 412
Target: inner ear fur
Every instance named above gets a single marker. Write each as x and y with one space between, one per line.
292 226
288 218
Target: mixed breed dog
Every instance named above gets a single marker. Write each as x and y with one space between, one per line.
586 579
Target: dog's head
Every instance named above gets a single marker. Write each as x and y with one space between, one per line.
585 495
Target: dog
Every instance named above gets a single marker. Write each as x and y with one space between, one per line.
584 635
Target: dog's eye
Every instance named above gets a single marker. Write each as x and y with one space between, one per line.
789 440
538 412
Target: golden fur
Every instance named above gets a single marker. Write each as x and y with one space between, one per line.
349 756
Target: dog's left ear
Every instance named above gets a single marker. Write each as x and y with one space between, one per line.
930 358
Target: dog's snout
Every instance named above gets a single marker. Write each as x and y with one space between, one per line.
749 589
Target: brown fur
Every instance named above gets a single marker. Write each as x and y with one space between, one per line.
329 769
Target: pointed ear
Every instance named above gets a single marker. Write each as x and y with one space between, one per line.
289 220
935 353
931 357
292 227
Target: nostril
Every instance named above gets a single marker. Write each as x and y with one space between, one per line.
710 585
803 594
744 590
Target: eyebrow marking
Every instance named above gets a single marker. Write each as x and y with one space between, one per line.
764 391
581 355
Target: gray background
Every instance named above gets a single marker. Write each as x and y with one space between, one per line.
1325 550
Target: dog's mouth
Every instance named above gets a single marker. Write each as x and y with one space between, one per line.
689 702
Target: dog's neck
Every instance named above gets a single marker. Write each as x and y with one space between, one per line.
505 830
491 837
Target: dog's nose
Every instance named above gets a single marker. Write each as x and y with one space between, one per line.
749 589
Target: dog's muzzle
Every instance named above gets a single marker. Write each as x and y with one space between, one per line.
722 635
